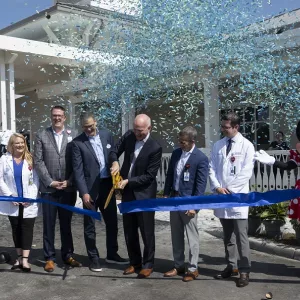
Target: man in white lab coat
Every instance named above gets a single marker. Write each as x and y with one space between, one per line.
231 168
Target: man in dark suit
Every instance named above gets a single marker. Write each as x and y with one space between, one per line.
94 182
187 176
142 159
52 161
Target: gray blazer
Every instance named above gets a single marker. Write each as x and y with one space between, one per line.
51 164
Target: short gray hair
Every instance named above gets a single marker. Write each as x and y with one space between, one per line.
85 116
190 132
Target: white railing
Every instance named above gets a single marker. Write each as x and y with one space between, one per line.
264 177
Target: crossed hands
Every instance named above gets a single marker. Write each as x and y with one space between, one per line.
59 185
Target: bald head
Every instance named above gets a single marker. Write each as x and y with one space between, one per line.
141 126
142 120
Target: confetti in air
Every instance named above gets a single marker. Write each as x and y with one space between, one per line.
161 56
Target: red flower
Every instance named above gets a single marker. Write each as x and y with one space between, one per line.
30 168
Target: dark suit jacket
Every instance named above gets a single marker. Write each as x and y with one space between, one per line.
51 164
198 172
143 175
85 163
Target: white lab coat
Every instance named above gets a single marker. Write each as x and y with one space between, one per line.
8 187
220 172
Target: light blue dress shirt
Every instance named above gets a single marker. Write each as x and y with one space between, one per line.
98 148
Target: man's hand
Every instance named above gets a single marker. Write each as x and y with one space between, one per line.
57 185
64 184
191 213
88 201
16 203
122 184
223 191
115 168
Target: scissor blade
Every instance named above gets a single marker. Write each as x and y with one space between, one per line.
109 197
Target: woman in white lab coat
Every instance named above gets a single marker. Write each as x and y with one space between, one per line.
18 179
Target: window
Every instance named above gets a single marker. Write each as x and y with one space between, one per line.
254 124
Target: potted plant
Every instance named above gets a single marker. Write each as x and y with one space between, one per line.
273 218
296 226
254 220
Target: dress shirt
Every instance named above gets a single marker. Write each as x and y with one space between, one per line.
180 166
98 148
58 138
137 149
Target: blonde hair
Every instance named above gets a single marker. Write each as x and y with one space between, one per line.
26 154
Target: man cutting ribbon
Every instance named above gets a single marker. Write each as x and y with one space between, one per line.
91 173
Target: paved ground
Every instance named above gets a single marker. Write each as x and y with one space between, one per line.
270 273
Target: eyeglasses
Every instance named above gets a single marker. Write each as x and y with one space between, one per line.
226 127
58 116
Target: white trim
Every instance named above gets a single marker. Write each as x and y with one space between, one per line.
12 102
51 35
3 91
8 43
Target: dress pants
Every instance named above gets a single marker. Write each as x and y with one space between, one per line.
236 243
111 222
180 224
65 218
131 223
22 230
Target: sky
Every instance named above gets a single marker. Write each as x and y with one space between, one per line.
13 11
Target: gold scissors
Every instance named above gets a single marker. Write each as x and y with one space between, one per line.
115 180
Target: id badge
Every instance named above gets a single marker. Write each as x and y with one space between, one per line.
232 170
186 176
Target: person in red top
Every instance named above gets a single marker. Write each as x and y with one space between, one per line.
291 164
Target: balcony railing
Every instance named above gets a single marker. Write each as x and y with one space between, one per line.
264 178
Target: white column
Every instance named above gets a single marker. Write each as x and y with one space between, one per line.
211 112
10 87
3 91
128 115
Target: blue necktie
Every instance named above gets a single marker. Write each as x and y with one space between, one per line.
228 146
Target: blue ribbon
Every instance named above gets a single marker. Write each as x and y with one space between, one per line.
74 209
209 202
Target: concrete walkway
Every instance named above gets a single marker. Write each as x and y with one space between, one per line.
269 272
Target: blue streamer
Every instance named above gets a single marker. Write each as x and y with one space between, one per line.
74 209
209 202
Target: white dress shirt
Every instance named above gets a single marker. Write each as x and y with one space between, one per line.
137 149
180 166
58 138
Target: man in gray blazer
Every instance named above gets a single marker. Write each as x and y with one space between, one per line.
53 163
187 176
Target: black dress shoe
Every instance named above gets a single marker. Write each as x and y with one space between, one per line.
117 259
243 280
226 273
